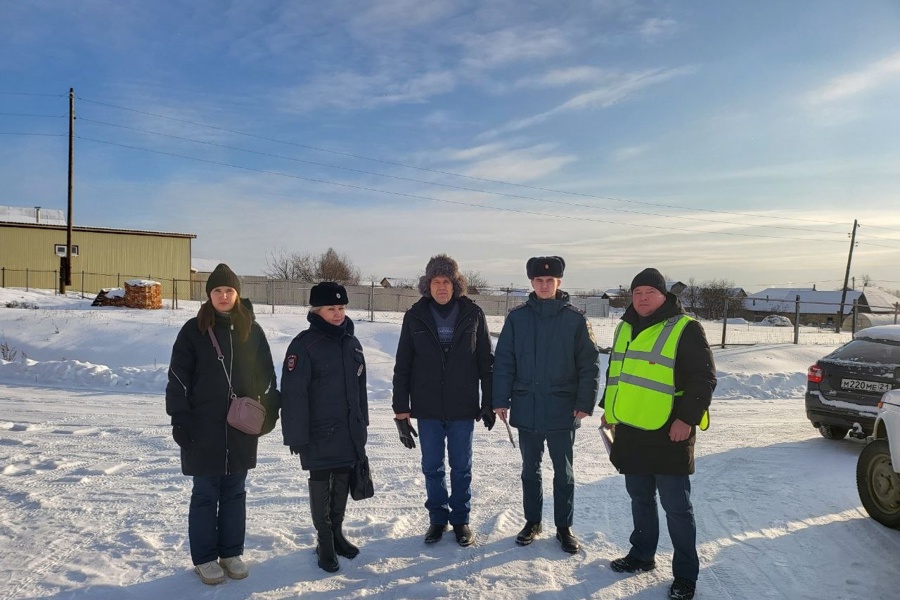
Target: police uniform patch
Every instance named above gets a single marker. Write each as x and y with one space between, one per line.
291 362
590 332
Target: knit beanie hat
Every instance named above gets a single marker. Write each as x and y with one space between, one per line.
222 276
327 293
443 266
545 266
651 277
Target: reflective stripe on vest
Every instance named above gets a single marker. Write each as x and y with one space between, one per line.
640 390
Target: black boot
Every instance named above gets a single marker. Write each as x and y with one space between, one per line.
319 505
340 491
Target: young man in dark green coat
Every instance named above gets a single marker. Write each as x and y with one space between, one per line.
546 377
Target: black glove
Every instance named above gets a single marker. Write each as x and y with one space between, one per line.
298 449
182 435
488 417
407 432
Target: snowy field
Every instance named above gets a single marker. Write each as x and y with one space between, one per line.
93 504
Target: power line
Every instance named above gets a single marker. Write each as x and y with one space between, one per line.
34 134
35 95
441 172
444 200
6 114
421 181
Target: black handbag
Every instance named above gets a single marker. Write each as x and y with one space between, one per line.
361 486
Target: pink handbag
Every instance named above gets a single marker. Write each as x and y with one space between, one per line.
244 413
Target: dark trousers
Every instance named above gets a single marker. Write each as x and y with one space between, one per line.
675 496
559 445
218 517
436 436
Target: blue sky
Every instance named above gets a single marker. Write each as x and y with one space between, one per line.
713 140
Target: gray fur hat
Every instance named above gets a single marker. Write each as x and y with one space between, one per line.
443 265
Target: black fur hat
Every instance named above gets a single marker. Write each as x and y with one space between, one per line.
545 266
443 266
651 277
328 293
222 276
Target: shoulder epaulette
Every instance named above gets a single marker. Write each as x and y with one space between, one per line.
519 307
575 308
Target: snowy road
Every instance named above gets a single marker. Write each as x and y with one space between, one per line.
92 505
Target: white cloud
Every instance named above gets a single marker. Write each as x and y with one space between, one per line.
623 88
628 153
512 45
353 91
502 162
564 76
867 79
654 29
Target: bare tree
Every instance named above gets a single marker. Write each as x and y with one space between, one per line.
715 295
691 296
332 266
866 280
294 266
476 281
328 266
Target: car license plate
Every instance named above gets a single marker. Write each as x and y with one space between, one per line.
865 386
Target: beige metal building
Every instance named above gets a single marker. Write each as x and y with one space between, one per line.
30 255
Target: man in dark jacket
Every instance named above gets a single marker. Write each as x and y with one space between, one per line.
659 386
546 375
443 354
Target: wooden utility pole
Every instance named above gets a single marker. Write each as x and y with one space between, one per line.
840 315
65 267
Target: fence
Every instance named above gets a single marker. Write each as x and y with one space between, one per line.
824 324
276 292
90 284
819 328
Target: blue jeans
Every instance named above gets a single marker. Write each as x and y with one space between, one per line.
675 496
433 433
559 445
218 516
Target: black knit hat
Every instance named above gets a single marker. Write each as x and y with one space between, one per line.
327 293
222 276
443 266
651 277
545 266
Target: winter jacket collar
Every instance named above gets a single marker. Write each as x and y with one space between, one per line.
333 331
548 308
422 310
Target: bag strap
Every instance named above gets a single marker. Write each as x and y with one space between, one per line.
221 356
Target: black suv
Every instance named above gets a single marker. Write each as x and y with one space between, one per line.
843 388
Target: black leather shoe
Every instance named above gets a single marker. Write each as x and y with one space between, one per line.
528 533
631 564
567 539
435 533
464 535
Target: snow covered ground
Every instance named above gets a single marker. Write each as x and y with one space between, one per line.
93 504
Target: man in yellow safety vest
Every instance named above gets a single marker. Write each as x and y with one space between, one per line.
659 386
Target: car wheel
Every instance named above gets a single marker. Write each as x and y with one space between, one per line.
832 432
878 484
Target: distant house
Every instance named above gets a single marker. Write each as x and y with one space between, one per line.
399 282
818 307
